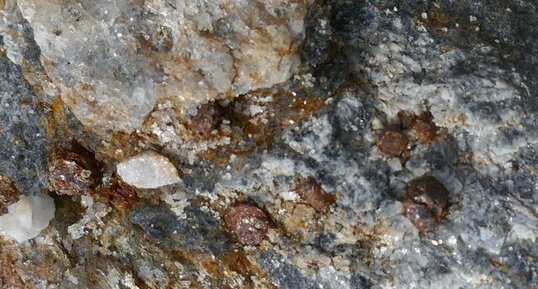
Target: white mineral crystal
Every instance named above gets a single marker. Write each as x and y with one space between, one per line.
148 170
112 60
27 217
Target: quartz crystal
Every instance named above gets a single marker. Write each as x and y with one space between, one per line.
27 217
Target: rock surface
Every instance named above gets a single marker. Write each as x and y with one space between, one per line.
457 79
112 61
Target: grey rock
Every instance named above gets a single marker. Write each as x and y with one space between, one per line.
23 140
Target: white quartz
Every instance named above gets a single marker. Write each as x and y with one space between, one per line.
148 170
27 217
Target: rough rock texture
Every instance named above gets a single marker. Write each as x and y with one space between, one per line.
22 148
112 61
456 78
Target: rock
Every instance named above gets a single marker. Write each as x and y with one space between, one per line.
365 66
148 170
113 61
120 194
159 223
197 231
314 49
352 116
27 217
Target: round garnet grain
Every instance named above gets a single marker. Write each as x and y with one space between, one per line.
392 143
248 223
425 202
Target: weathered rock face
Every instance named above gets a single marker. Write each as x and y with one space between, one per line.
112 61
292 186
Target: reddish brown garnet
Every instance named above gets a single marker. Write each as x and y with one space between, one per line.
206 119
425 129
8 194
248 223
72 173
425 203
392 143
121 193
313 194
